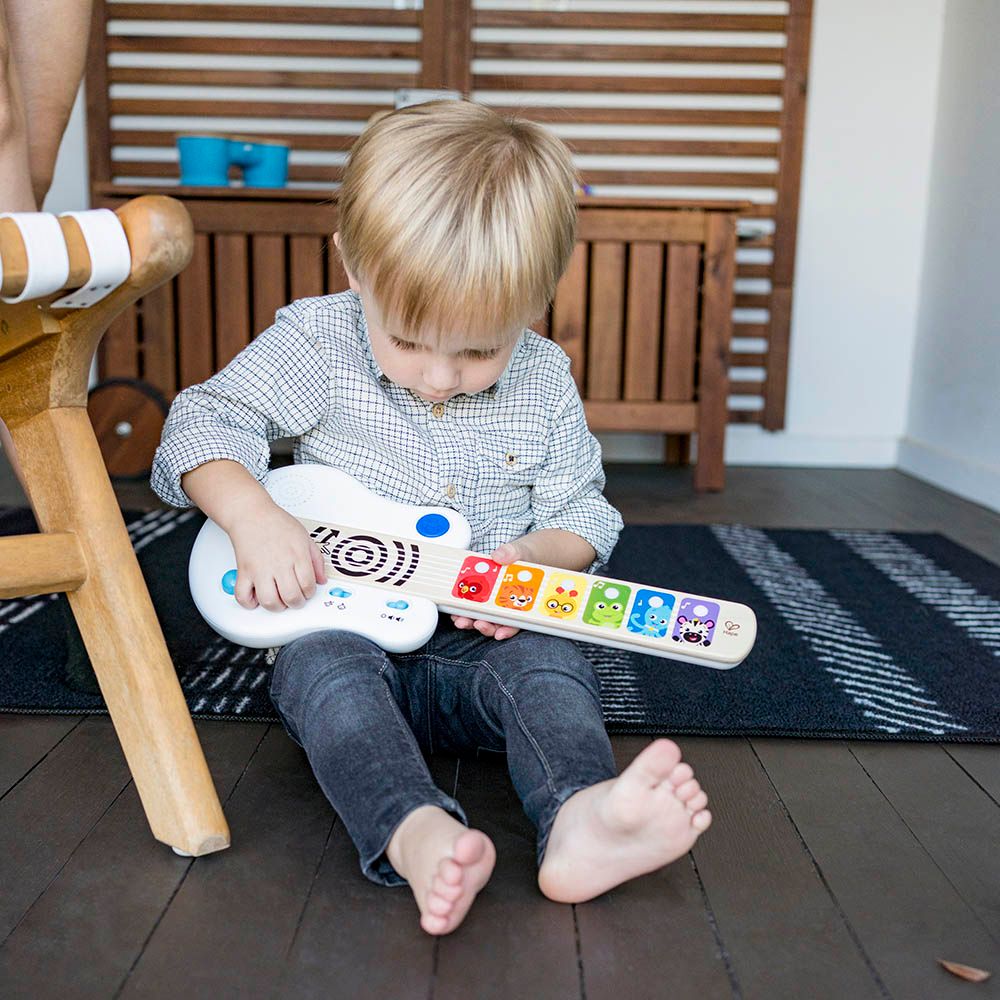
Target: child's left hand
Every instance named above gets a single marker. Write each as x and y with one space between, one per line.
504 554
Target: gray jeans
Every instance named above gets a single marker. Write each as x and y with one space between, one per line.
366 718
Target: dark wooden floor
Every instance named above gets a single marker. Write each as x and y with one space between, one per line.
833 869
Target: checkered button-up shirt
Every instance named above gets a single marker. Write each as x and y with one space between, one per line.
515 457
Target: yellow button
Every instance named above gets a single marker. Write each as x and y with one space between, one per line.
450 491
438 410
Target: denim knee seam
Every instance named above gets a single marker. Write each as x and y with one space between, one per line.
524 729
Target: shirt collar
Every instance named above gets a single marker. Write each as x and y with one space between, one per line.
494 390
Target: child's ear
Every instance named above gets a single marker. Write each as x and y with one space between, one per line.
351 280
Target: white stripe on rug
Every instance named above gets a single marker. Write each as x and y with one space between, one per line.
855 657
975 613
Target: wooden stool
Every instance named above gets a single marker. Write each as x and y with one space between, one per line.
84 548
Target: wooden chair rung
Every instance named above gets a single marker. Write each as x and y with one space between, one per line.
41 564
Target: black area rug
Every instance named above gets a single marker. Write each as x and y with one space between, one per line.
862 634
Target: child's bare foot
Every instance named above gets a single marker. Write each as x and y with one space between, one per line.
648 816
445 863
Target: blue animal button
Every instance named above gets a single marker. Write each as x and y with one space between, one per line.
650 615
339 592
398 605
433 525
229 582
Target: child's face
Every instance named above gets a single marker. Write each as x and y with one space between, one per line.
435 371
438 372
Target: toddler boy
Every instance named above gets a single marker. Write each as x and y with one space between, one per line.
455 225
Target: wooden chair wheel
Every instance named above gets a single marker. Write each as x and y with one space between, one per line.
128 416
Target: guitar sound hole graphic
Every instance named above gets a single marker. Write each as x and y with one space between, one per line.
361 556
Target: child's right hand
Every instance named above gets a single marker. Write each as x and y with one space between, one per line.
277 564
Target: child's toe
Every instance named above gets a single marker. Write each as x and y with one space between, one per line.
439 906
450 872
433 924
701 820
697 802
681 773
687 789
445 889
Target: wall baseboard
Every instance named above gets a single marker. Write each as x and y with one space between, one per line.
958 474
755 446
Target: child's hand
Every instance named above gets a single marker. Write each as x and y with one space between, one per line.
277 564
504 554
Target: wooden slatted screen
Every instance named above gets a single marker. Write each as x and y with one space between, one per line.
695 101
692 100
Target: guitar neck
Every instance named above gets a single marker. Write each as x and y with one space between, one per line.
575 605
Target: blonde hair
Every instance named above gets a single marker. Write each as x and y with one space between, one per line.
457 218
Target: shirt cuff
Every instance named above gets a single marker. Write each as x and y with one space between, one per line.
184 451
600 525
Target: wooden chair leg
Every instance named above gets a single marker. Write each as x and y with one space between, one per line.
70 491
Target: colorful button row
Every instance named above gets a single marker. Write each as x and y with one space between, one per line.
609 604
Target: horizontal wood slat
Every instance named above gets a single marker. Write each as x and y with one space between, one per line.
256 12
627 84
552 51
660 417
642 116
626 20
658 147
640 224
234 109
330 47
268 78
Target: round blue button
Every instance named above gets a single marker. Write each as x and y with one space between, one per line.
229 582
433 525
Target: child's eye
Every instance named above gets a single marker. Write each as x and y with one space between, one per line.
403 345
482 355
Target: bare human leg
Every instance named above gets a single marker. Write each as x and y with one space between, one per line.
43 45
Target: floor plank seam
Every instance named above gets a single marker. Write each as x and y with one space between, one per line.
970 775
579 953
723 951
922 846
180 882
69 858
309 892
41 759
848 926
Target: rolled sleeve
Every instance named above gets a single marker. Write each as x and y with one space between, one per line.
278 386
568 493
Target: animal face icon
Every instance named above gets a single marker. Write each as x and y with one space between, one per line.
562 603
606 605
519 587
693 630
653 623
563 595
608 615
476 579
516 596
471 587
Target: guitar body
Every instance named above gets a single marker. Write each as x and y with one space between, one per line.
388 582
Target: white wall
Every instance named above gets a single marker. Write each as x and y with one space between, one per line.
953 430
866 171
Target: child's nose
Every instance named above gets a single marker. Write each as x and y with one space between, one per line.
442 376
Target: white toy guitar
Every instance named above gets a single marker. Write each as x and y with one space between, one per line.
388 583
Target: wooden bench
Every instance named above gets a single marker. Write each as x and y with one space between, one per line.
644 310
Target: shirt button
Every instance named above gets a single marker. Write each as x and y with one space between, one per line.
438 410
450 491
